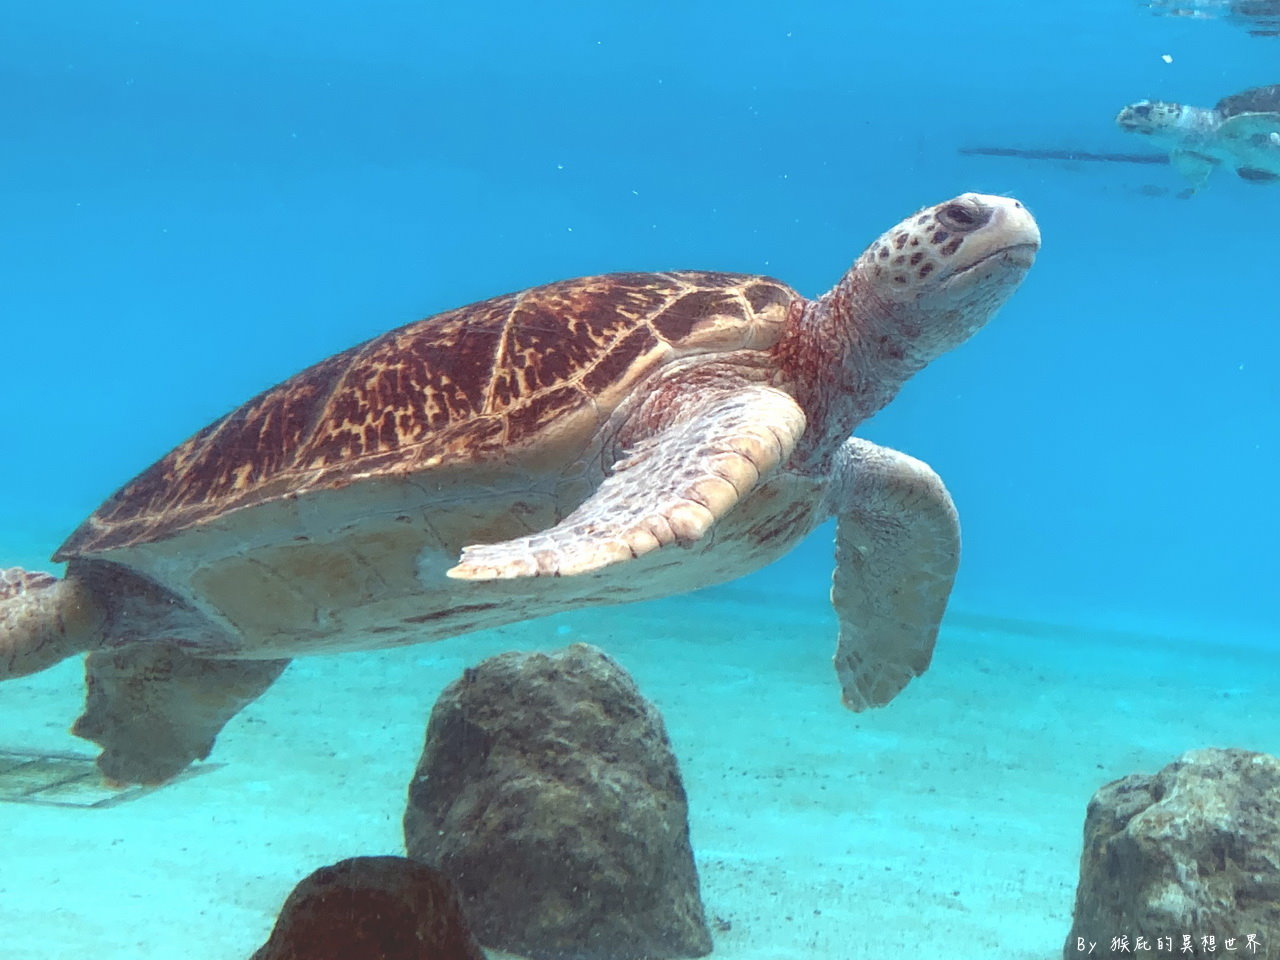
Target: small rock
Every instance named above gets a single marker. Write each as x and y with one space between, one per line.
1192 851
372 908
548 791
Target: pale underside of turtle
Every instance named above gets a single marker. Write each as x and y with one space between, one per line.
609 438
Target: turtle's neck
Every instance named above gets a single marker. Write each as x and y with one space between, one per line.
845 356
1195 127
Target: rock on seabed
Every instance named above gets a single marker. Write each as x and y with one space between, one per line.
1192 851
548 792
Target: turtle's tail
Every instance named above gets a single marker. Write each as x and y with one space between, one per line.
43 620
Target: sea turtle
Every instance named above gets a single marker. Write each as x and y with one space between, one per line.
592 441
1243 131
1260 17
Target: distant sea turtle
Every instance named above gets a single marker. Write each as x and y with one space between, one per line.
1260 17
605 439
1242 131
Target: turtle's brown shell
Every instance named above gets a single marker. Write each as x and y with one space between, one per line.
1256 100
473 385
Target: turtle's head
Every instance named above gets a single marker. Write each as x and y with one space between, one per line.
1151 118
932 281
922 288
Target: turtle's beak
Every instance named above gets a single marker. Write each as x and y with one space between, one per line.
1135 118
1010 234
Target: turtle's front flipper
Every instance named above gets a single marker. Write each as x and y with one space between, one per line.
676 482
44 620
1194 167
897 547
154 708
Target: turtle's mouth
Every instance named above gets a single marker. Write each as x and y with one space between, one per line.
1021 255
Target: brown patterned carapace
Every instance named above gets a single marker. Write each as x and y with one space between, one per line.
460 387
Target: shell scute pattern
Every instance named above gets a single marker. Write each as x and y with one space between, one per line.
401 388
619 359
271 426
765 294
462 386
678 321
1256 100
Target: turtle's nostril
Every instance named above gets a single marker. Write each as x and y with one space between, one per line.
964 215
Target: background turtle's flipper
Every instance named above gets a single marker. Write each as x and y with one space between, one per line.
154 708
43 620
1257 175
897 547
673 486
1194 167
1254 142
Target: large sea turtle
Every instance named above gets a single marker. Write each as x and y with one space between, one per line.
592 441
1242 131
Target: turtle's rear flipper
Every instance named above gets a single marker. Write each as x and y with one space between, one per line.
43 620
154 708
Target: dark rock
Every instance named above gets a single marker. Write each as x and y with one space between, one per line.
372 908
1192 851
548 792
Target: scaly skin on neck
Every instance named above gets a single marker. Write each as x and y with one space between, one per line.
919 290
1195 128
847 355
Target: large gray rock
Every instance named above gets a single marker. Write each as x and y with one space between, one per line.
1192 851
548 792
372 908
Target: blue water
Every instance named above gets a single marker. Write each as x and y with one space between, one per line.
200 200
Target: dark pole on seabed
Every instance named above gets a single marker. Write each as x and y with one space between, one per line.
1064 155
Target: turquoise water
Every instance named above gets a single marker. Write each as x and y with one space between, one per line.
201 200
200 204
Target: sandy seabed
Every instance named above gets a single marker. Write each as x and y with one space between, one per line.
947 824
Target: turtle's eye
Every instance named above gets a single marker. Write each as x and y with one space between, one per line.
963 216
1142 110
